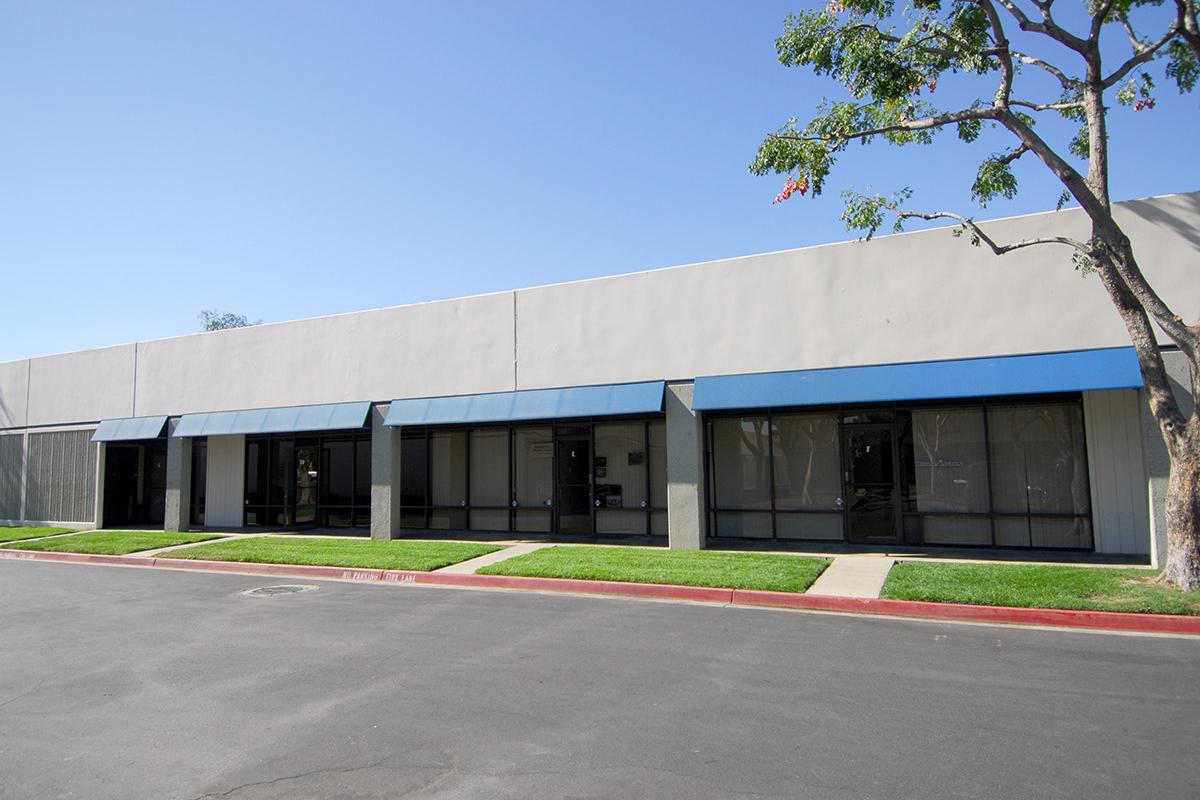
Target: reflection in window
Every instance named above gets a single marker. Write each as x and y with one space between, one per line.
740 465
1039 466
1011 474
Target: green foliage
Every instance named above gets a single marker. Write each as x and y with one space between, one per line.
890 61
211 320
969 129
994 179
864 212
1182 66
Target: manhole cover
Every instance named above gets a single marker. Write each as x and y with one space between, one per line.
286 588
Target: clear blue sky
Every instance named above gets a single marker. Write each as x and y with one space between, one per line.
291 159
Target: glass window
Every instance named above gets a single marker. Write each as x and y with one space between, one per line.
533 478
808 468
448 468
809 526
533 462
619 479
753 525
950 471
362 472
489 467
1039 465
741 474
414 476
658 464
956 530
199 480
257 470
337 473
282 474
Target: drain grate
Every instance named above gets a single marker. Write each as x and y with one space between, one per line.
275 591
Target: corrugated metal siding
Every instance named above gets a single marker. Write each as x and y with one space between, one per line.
1120 504
226 481
10 475
61 477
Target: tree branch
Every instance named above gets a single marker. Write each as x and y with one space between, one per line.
1067 82
979 234
1007 71
1141 56
1046 106
925 123
1047 27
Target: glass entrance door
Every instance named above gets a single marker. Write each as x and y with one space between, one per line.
307 476
870 484
573 456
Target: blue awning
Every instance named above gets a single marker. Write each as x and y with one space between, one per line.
129 429
1080 370
576 401
331 417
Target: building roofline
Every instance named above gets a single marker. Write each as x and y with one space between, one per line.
460 298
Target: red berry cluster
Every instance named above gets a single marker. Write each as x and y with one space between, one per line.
791 186
1147 102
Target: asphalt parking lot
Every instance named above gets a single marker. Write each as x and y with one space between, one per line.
130 683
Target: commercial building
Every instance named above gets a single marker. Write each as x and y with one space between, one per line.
907 391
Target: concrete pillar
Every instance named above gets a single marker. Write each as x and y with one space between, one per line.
179 481
385 476
101 452
686 520
1154 453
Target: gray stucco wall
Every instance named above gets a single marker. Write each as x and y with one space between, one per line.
914 297
448 347
14 389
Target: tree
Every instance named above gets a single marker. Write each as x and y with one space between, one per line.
891 62
212 320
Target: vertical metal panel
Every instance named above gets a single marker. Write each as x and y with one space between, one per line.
11 456
61 477
1120 505
225 493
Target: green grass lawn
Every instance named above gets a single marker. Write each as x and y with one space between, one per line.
17 534
678 567
113 543
1038 586
360 553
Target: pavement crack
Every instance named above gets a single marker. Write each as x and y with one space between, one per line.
25 693
284 778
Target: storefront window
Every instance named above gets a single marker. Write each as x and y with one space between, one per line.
489 479
502 477
1039 467
315 480
1012 474
620 479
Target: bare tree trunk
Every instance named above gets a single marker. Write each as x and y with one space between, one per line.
1183 513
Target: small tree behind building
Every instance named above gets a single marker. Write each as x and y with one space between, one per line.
212 320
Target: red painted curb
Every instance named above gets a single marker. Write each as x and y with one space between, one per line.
700 594
1061 618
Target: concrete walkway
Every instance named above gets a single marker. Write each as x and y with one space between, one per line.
853 576
468 567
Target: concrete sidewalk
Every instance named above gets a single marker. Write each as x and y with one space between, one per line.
468 567
853 576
